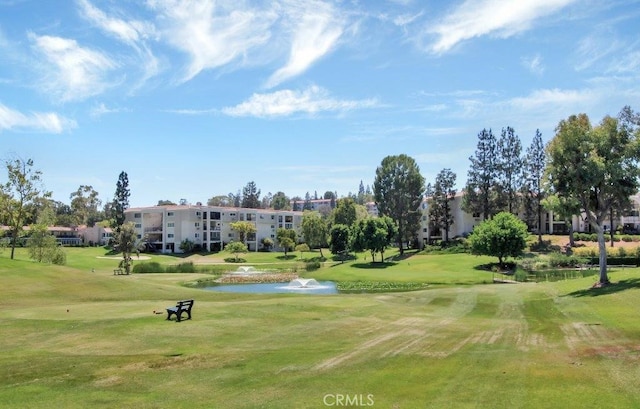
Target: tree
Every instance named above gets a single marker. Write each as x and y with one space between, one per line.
120 201
267 243
302 248
244 229
307 202
266 201
286 239
43 246
236 248
340 239
565 208
280 201
314 230
166 203
480 195
534 165
127 242
503 236
509 167
22 189
345 212
374 234
222 200
440 203
250 196
597 166
84 204
398 188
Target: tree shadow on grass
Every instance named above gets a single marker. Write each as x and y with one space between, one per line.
612 288
374 265
287 257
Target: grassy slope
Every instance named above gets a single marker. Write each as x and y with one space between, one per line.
529 345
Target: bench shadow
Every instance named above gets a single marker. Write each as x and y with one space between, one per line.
612 288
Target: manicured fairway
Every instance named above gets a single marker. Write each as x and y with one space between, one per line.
76 339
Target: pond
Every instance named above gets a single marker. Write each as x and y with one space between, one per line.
294 287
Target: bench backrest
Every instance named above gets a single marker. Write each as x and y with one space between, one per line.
185 304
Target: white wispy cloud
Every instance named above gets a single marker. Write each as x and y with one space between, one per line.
476 18
312 100
11 119
212 33
550 98
71 72
533 64
101 109
316 29
132 32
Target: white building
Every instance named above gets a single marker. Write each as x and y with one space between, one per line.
165 227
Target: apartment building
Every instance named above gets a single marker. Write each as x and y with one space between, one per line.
165 227
464 222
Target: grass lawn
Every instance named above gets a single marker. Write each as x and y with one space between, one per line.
73 338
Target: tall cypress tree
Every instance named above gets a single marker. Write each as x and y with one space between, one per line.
120 200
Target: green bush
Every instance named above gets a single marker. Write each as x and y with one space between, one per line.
562 260
148 267
312 265
187 267
520 276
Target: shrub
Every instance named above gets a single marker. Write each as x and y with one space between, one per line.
187 267
520 276
561 260
148 267
312 265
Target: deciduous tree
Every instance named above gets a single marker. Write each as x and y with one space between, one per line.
503 236
244 229
597 166
22 189
314 230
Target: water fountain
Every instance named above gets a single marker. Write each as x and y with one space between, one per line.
303 283
245 270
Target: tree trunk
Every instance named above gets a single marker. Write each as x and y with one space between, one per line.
539 224
602 247
572 242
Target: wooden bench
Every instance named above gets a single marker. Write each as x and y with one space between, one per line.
119 272
181 306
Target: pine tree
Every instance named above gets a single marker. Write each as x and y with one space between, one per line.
480 191
440 203
509 167
534 165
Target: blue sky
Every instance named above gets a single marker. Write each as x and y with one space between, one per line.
197 98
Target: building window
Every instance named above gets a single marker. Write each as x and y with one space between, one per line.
197 225
170 235
138 225
169 214
476 215
137 215
197 235
172 224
